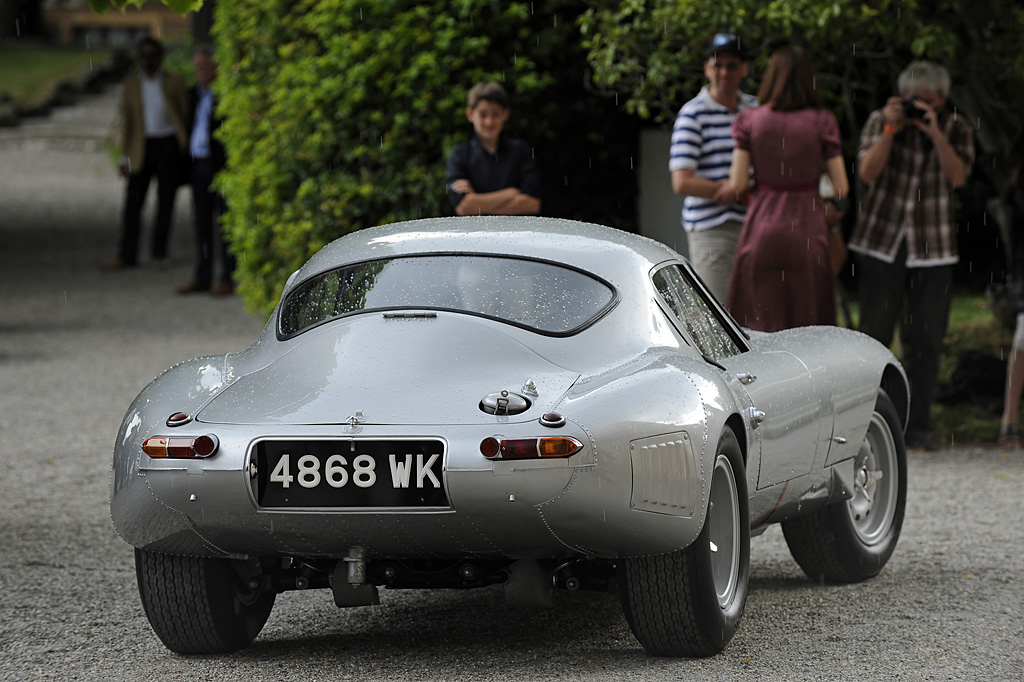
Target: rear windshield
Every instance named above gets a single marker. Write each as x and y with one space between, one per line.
544 297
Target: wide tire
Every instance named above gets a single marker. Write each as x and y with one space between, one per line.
198 605
689 602
851 541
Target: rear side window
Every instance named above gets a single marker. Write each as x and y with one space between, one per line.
695 315
544 297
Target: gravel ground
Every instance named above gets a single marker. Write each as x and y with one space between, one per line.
77 344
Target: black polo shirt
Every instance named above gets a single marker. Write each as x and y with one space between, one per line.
512 165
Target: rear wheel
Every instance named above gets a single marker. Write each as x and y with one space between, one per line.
852 540
689 602
198 605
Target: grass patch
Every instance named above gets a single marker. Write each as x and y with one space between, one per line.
30 74
972 326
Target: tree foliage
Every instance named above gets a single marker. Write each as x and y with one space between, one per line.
179 6
651 51
340 114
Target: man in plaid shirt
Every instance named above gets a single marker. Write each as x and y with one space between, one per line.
913 154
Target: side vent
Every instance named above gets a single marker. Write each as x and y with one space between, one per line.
666 479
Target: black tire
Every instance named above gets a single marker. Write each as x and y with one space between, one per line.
689 602
198 605
851 541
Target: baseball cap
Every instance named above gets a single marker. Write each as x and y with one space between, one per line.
725 42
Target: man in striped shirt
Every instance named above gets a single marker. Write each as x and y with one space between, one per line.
700 158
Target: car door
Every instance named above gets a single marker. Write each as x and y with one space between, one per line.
775 387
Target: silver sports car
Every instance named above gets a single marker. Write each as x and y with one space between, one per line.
537 403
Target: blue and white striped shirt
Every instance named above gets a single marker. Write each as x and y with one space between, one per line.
702 141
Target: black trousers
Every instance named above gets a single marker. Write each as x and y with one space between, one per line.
163 160
210 242
917 301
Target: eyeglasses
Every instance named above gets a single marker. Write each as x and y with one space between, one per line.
724 39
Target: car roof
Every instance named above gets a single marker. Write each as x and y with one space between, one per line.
608 252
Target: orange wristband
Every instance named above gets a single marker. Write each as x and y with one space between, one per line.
889 129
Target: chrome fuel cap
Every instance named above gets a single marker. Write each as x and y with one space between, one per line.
504 403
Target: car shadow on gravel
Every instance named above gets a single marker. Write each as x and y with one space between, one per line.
435 625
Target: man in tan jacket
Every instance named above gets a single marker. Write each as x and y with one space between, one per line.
154 133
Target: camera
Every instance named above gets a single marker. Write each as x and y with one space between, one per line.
910 111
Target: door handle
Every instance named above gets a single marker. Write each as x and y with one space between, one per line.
756 417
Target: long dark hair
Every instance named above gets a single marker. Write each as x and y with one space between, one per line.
791 82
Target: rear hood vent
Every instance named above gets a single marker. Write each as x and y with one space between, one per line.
392 371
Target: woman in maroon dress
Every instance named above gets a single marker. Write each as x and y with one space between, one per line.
782 273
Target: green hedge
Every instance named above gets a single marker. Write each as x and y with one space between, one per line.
339 115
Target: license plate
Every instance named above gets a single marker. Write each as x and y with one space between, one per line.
350 473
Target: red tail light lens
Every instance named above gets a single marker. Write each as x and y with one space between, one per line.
529 448
206 445
181 448
490 447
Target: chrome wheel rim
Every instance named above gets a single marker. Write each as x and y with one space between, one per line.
724 531
873 505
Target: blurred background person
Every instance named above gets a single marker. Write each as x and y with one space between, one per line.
913 154
208 157
1009 432
782 276
492 174
154 135
699 160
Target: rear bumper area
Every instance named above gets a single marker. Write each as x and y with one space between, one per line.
519 509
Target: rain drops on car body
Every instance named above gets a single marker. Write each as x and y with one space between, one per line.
528 402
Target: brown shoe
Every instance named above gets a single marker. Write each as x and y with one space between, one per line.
222 289
1009 437
192 287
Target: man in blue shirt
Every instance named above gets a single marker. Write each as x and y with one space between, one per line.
700 158
492 174
208 157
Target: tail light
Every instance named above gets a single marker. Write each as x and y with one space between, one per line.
529 448
181 447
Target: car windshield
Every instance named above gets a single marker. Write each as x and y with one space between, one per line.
544 297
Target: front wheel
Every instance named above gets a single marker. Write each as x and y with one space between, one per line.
198 605
689 602
851 541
